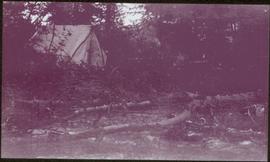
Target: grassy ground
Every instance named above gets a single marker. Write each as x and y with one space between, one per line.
223 132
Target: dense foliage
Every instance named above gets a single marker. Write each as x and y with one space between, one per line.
211 48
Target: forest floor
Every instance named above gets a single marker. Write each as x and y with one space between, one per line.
216 130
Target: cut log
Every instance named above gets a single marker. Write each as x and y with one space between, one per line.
105 107
101 108
37 101
214 100
178 118
130 127
236 97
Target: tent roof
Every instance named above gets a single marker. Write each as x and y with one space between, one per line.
68 40
77 42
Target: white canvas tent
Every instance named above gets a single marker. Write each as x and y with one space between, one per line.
75 42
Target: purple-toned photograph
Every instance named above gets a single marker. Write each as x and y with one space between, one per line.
135 81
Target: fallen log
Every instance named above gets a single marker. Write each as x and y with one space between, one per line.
219 99
236 97
105 107
38 101
130 127
127 105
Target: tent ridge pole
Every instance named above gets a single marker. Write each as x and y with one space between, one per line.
53 35
80 44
